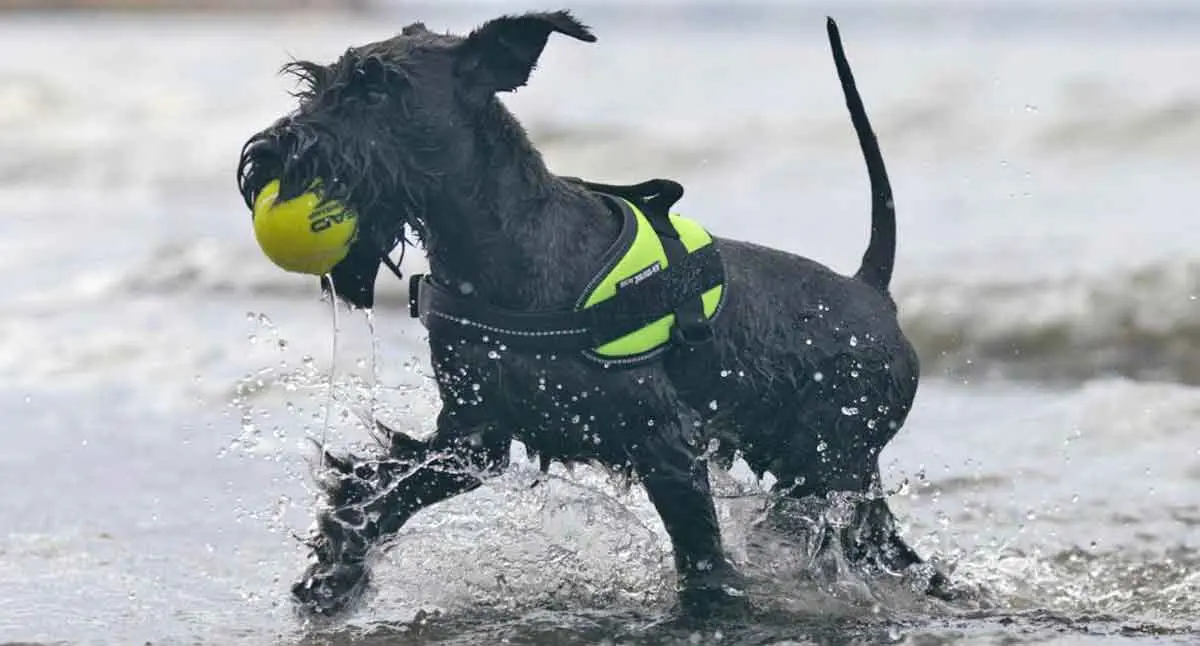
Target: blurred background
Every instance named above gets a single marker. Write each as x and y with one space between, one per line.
159 378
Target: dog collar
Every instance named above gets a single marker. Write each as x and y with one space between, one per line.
661 282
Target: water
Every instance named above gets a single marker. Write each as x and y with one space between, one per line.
159 379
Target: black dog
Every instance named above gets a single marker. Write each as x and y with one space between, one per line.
802 371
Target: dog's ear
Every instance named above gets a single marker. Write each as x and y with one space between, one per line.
500 55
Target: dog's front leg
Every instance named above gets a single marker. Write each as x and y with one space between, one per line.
676 481
371 500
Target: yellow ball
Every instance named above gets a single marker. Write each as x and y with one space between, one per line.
303 234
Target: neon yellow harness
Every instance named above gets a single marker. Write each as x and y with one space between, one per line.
661 282
645 256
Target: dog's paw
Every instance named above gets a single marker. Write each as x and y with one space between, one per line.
338 575
717 593
725 602
330 589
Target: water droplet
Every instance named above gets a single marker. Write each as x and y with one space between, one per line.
492 354
1031 108
712 405
818 377
853 341
849 411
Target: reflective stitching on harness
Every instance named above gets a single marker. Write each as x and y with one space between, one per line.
492 328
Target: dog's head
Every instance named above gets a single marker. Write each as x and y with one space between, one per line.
382 128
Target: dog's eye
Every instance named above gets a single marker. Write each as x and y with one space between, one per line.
375 80
372 71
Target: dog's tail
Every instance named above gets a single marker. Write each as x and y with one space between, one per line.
880 257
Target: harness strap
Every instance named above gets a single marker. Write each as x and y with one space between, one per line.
691 328
655 197
636 306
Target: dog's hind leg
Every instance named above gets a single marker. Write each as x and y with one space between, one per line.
829 489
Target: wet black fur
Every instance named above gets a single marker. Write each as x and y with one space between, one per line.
809 375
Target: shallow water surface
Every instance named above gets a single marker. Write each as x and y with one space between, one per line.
161 382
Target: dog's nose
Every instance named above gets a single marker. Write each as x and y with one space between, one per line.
257 166
283 152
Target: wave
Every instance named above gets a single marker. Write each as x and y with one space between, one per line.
133 153
209 267
1140 323
54 140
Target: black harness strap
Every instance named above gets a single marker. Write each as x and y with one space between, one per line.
655 198
633 308
641 304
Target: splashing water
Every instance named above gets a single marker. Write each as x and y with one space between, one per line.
333 308
373 381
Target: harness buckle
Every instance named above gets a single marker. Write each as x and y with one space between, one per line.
414 293
697 334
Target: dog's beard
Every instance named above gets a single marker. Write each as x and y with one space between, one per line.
377 187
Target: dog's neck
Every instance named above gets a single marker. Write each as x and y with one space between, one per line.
506 230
